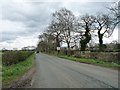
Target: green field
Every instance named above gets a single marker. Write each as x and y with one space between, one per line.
15 71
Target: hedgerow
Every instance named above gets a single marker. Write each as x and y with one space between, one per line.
13 57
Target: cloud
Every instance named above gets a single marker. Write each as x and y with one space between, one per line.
11 26
20 42
22 21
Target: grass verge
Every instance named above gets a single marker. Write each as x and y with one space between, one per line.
93 61
15 71
89 61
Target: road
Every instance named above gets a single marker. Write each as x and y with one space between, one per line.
54 72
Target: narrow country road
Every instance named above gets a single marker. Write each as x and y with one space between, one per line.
54 72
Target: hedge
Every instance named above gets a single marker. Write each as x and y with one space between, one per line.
13 57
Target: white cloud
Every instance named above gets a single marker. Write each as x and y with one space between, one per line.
20 42
22 21
11 26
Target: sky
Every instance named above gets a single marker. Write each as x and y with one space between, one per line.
21 21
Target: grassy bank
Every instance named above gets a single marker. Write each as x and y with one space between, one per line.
92 61
89 61
0 69
15 71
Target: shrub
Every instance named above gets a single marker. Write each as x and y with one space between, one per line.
13 57
77 55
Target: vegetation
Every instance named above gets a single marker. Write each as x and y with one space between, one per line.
13 57
104 26
15 71
115 13
87 24
89 61
93 61
77 31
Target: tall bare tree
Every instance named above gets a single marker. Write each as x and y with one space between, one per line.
104 26
68 20
55 29
84 27
62 26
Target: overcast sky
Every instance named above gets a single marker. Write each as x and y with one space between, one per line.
21 21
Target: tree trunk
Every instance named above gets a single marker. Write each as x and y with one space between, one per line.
57 42
100 36
86 39
84 42
68 46
83 46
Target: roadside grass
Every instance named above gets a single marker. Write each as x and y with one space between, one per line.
89 61
93 61
0 70
15 71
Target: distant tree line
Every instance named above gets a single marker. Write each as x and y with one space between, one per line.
66 28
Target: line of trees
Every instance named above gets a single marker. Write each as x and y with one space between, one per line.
66 28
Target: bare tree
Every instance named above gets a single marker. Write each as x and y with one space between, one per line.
62 26
68 20
55 30
41 38
47 43
105 27
115 12
84 27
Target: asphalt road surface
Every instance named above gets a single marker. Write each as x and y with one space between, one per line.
54 72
